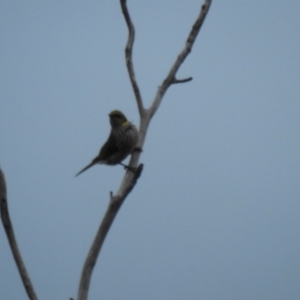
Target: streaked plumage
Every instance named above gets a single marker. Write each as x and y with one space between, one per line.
121 142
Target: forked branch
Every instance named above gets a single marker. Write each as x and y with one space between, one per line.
171 77
131 178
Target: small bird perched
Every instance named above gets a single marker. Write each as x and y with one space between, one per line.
121 142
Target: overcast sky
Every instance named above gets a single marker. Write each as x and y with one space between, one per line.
216 213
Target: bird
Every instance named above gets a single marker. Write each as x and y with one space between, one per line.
121 142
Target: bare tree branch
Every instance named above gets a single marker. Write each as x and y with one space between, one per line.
171 79
128 54
115 203
130 178
12 240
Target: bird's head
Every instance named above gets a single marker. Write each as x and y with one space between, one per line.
117 119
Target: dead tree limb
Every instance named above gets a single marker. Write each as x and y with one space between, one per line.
128 56
171 77
8 227
115 203
130 177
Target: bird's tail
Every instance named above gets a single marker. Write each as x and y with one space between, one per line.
85 168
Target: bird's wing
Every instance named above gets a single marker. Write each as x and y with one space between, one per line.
108 149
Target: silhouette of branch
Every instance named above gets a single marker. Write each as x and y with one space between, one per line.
115 203
8 227
128 56
182 80
130 178
171 79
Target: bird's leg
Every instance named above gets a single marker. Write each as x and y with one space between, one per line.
132 169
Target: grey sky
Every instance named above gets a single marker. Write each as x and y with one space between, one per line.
216 212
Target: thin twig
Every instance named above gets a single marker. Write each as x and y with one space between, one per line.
175 81
128 56
115 203
181 57
7 224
